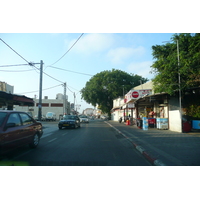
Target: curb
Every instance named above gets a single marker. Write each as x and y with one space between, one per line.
139 148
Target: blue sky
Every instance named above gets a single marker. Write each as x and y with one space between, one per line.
127 31
93 53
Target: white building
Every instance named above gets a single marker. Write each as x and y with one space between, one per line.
88 111
117 110
48 105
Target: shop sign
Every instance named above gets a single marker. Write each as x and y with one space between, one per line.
131 105
136 94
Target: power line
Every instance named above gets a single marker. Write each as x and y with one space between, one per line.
73 88
13 65
14 51
69 90
69 49
29 63
42 90
53 77
71 71
32 64
17 70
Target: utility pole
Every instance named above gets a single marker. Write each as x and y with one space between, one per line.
40 92
65 107
74 102
179 82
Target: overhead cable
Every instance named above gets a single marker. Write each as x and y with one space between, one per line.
71 71
69 49
13 65
17 70
42 90
53 77
30 63
14 51
69 90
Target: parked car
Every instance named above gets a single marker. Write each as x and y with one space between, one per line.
69 121
84 119
43 118
103 117
50 116
17 129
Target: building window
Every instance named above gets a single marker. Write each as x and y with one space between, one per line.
57 105
43 104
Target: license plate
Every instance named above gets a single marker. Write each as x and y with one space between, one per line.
65 124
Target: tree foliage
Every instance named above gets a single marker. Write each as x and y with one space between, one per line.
105 86
166 66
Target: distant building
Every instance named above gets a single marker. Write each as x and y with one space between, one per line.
88 111
48 105
6 87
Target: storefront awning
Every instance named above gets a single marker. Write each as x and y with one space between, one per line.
116 108
14 99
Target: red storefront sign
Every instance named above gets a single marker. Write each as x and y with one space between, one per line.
136 94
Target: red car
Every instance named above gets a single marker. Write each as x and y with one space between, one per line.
17 129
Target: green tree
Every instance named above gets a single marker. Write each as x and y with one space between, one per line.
166 66
105 86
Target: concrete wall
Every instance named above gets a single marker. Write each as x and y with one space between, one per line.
175 121
34 110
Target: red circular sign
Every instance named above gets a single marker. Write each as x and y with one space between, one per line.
135 94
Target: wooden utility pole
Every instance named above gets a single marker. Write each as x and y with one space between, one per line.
64 99
40 92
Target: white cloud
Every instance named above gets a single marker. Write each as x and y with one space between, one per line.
118 55
141 68
92 43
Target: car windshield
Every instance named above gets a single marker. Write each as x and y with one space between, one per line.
69 117
49 114
2 117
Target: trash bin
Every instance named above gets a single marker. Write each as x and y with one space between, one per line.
196 124
186 126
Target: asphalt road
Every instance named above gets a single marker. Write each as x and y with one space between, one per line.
94 144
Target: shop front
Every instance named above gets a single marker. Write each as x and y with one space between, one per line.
130 112
154 109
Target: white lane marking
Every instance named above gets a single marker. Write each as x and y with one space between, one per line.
45 135
52 140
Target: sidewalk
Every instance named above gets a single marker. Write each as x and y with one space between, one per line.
162 147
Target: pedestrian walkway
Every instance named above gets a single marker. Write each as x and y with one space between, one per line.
163 147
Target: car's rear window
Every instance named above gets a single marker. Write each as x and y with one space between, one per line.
2 117
69 117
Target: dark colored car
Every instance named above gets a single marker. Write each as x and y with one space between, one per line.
18 129
69 121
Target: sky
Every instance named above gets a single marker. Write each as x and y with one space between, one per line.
73 63
117 34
